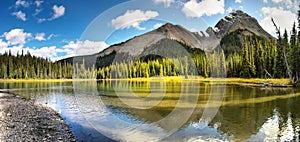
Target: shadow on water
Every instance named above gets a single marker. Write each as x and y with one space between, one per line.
87 134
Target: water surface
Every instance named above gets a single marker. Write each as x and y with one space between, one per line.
169 111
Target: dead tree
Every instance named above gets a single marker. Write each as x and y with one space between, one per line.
289 72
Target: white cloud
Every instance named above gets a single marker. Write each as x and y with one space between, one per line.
20 15
238 1
3 44
22 3
38 3
283 18
157 25
78 48
44 52
265 1
277 1
14 50
58 12
71 49
289 4
205 7
40 36
167 3
133 18
16 36
15 39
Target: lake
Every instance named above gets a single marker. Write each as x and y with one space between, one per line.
159 110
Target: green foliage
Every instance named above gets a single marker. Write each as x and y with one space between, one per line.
31 67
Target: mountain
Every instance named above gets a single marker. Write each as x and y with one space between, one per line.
227 34
138 44
237 20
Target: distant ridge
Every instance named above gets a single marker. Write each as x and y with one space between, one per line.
237 24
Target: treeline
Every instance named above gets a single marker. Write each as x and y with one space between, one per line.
199 64
26 66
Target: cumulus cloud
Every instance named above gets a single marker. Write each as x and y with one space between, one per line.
58 12
3 44
16 36
14 49
283 18
20 15
71 49
86 47
196 9
133 18
22 3
265 1
40 36
44 52
290 4
238 1
167 3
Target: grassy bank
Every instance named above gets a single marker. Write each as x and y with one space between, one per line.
252 81
41 80
238 81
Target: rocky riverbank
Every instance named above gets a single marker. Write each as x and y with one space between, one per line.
21 120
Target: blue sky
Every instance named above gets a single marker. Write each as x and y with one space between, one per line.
62 28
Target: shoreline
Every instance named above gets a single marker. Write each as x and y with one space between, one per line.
21 120
258 82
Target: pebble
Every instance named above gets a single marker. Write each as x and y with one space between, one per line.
29 122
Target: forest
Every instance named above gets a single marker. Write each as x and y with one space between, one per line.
26 66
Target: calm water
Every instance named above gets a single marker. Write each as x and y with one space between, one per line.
169 111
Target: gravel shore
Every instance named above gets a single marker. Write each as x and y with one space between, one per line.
21 120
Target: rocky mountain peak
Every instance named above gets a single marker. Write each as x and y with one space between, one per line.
238 19
169 27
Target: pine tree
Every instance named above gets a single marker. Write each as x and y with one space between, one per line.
245 60
294 53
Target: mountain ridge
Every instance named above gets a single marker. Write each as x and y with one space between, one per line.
207 40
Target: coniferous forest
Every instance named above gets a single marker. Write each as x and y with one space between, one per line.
26 66
253 57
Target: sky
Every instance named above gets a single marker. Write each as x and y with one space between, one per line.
58 29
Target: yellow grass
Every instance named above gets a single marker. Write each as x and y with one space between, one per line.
40 80
172 79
